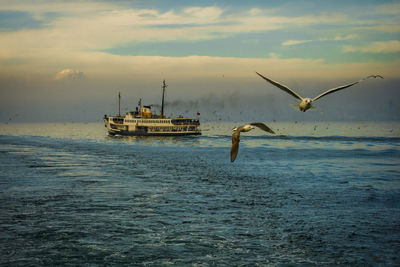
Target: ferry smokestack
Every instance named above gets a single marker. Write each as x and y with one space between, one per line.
162 101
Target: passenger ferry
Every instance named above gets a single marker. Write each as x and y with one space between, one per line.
143 122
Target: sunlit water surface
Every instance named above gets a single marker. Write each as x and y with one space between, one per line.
313 194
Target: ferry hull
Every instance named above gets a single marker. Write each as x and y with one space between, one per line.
122 129
130 133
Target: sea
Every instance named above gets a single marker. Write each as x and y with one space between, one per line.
313 194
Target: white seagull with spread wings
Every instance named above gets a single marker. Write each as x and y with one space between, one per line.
244 128
306 103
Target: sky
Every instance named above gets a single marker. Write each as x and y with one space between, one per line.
67 60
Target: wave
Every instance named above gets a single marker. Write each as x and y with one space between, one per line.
316 138
389 145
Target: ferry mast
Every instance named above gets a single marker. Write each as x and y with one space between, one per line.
119 104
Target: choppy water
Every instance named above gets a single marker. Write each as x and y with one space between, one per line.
315 194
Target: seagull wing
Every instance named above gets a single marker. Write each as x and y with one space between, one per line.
344 87
235 144
281 86
262 126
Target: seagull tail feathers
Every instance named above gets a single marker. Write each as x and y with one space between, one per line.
296 106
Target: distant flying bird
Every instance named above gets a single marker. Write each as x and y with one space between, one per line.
244 128
306 103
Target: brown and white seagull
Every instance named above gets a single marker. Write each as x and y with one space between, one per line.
306 103
245 128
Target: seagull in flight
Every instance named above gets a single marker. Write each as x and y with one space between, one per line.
245 128
306 103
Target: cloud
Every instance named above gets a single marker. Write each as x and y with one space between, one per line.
273 55
295 42
388 9
336 38
206 14
69 74
391 28
345 37
376 47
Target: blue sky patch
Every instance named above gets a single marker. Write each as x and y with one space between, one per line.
17 20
